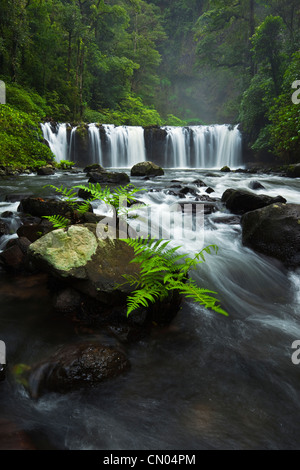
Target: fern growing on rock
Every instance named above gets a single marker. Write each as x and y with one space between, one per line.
163 270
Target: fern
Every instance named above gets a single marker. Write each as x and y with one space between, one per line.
58 221
120 194
164 270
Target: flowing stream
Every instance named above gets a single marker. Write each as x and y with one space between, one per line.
204 382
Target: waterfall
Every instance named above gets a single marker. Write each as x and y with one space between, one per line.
57 140
126 145
123 146
203 147
177 147
72 146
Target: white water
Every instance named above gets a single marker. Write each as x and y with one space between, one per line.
213 147
57 140
124 146
95 144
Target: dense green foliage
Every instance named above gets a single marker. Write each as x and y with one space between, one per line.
145 62
21 140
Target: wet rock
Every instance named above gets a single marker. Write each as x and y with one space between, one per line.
94 265
274 231
108 178
67 301
14 257
4 228
39 207
293 171
199 183
34 231
46 170
94 167
225 169
210 190
76 366
86 195
187 190
146 169
232 220
7 215
256 185
241 201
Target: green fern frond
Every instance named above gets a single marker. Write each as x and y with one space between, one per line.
163 269
58 221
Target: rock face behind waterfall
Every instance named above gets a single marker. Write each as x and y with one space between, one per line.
241 201
274 231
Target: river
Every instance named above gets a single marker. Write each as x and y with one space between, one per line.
204 382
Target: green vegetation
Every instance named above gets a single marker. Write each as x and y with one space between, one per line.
119 198
21 140
65 165
163 270
146 62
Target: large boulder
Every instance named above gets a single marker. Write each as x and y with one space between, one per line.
274 231
14 257
39 207
105 177
91 261
146 169
241 201
93 265
76 366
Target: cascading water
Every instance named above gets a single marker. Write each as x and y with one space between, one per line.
57 140
123 146
72 145
176 147
95 144
126 145
203 147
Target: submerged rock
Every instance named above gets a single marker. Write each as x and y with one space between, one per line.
256 185
75 366
240 201
146 169
274 231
